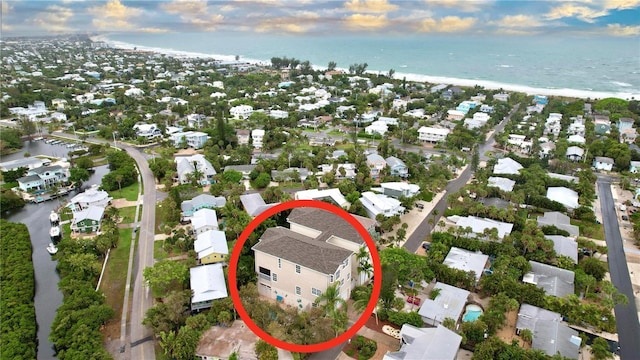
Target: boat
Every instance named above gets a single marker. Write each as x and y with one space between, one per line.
54 233
52 249
54 218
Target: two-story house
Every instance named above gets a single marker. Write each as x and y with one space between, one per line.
376 164
296 265
397 166
433 135
43 177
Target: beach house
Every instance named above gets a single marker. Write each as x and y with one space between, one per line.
211 247
376 164
448 304
207 284
196 168
193 139
432 134
550 334
295 265
241 112
397 167
43 177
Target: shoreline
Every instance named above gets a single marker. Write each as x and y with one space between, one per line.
413 77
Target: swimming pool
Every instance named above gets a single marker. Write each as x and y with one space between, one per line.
472 314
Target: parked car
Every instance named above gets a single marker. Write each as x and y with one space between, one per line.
426 246
625 218
420 206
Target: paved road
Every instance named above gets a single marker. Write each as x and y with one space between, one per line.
424 229
140 337
626 315
142 346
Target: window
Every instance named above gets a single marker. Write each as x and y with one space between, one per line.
298 269
338 274
298 290
316 292
279 263
274 276
331 278
348 276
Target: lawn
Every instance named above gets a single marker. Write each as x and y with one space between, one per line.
114 280
10 185
589 230
129 193
127 214
66 214
158 251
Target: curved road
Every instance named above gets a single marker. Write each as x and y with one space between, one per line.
626 315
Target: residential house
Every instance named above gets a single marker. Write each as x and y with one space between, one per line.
278 114
438 88
501 183
634 167
330 195
341 171
455 115
204 220
257 136
397 167
377 128
541 99
432 134
437 343
625 124
448 304
568 178
559 220
501 97
196 120
241 112
43 177
193 139
553 280
376 165
29 163
563 195
221 342
415 113
148 131
480 225
550 334
467 261
243 137
507 166
553 124
577 127
546 149
398 189
208 284
211 247
203 201
90 197
486 108
290 174
254 204
194 165
601 124
564 245
376 204
576 139
337 154
601 163
87 220
245 170
575 153
628 136
318 250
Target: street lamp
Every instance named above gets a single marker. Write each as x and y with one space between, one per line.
114 139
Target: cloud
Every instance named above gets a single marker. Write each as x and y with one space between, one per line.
583 13
192 7
54 19
620 30
208 23
153 30
462 5
447 24
366 22
518 21
516 32
114 16
370 6
6 8
621 4
297 22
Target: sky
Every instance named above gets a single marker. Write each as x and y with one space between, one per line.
619 18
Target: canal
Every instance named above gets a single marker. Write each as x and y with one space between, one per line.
36 216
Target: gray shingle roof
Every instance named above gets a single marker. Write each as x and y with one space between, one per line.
329 224
559 220
564 246
553 280
299 249
549 333
254 204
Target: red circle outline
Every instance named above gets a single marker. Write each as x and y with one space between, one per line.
375 293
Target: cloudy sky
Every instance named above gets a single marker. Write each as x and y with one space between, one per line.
510 17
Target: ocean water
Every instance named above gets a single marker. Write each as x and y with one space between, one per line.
592 67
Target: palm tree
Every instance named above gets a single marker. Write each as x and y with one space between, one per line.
331 299
119 179
365 270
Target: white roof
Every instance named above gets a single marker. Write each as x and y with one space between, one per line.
507 166
503 184
211 241
315 194
401 186
378 203
564 196
204 217
433 130
479 224
437 343
466 260
448 304
564 245
91 195
207 283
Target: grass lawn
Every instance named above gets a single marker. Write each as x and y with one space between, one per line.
158 250
10 185
129 193
590 230
66 214
127 214
114 280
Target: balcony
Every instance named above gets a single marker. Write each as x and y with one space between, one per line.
264 277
